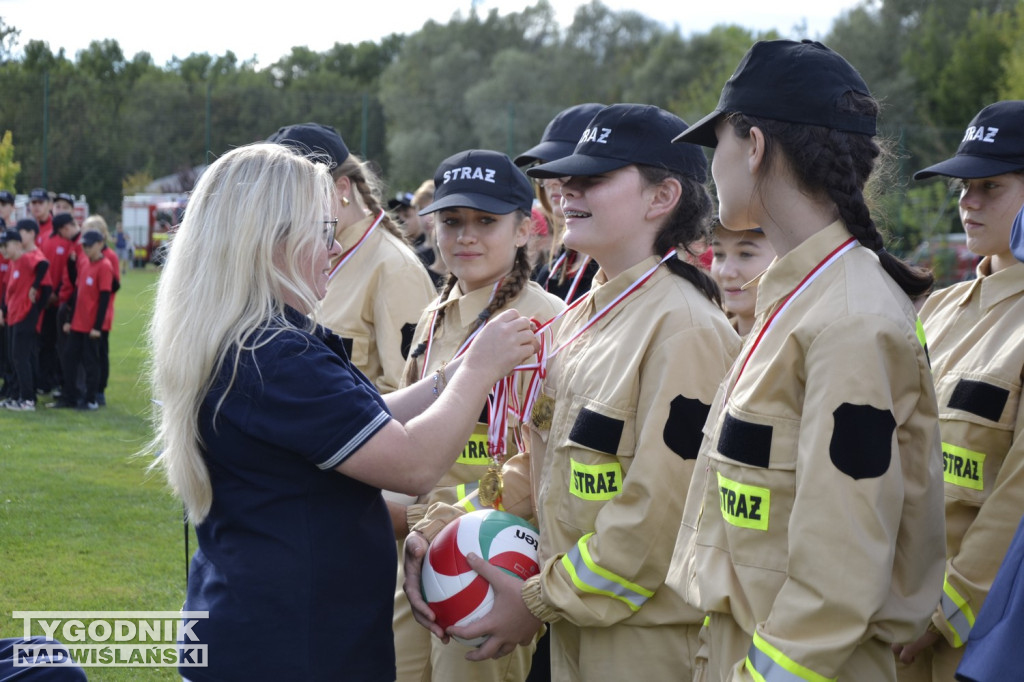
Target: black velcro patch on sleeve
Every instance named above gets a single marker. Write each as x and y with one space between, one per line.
861 444
597 431
684 428
407 331
745 441
977 397
347 344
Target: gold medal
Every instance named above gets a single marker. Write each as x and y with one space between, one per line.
543 411
491 485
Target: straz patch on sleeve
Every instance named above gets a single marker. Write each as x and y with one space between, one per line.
475 451
595 482
744 505
962 467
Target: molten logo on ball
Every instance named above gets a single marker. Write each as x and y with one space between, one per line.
456 593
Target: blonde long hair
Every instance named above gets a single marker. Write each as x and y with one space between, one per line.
243 248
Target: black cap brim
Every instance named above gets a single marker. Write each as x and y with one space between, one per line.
480 202
551 150
576 165
968 167
702 132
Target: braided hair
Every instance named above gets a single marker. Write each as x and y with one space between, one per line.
511 285
838 164
689 222
368 184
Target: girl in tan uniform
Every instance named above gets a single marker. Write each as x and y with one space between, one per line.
813 527
378 286
974 331
481 213
737 260
629 382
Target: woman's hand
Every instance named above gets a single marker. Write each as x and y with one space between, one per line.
415 549
508 624
506 341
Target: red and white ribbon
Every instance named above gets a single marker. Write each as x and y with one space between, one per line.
355 247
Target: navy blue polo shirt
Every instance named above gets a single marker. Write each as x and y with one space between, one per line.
296 562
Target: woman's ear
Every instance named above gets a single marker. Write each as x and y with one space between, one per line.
755 153
522 235
664 197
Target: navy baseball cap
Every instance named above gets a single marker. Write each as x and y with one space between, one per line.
481 179
623 134
6 197
785 80
561 135
64 196
993 144
10 236
28 224
39 194
91 237
313 140
402 199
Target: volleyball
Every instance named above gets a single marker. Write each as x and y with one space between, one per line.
455 592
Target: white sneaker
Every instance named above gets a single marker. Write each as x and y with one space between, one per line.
21 405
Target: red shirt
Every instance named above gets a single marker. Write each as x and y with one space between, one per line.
93 279
67 287
57 249
115 263
5 270
20 279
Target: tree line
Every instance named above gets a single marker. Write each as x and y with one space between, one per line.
103 124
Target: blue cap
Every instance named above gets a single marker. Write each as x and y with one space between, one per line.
91 237
313 140
624 134
482 179
39 194
1017 236
560 137
6 197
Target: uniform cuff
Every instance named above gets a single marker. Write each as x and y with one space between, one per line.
437 517
414 513
533 597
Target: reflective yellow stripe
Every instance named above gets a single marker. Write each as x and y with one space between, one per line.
595 481
767 664
962 467
589 577
957 612
920 334
707 620
463 491
744 505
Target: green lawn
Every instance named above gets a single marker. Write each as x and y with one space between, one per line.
83 526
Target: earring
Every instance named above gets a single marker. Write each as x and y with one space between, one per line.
345 201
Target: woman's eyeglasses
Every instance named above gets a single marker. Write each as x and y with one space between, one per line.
329 228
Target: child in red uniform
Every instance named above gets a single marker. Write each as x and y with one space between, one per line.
27 291
89 306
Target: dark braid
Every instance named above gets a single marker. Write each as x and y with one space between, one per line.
368 185
839 165
689 222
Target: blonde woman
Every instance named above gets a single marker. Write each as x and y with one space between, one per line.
277 445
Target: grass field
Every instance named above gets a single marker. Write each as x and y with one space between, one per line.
83 526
